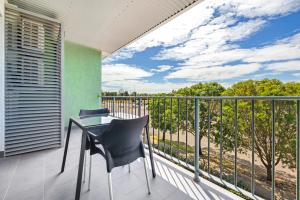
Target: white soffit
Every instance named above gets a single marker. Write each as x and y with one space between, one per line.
107 25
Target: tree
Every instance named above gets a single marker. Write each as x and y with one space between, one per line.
285 126
164 111
109 93
123 93
134 93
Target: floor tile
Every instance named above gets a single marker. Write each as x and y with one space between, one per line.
36 176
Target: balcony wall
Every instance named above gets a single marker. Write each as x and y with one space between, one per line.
82 78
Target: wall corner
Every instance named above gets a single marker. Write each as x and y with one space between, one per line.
2 75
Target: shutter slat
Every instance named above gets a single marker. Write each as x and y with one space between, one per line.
27 138
35 148
27 145
31 130
31 135
53 124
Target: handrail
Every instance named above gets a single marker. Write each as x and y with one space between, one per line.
215 97
191 107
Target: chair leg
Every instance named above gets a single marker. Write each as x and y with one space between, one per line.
84 170
110 187
129 170
90 173
148 185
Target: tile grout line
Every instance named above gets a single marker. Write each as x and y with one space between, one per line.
12 176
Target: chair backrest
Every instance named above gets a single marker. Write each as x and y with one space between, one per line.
100 111
123 136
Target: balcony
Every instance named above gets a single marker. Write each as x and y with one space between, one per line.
35 176
205 147
189 164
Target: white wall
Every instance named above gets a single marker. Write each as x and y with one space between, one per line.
2 75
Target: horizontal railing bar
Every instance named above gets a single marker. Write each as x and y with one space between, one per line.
215 97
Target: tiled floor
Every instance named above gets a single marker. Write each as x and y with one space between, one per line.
35 176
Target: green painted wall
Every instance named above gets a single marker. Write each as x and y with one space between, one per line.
82 79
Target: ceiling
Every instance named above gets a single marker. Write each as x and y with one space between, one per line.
107 25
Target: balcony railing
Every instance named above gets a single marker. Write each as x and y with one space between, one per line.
249 144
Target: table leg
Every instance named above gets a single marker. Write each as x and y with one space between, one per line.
66 147
150 152
80 168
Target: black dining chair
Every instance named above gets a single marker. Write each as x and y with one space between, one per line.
88 113
100 111
121 144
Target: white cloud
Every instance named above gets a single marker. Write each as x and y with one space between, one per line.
210 49
121 72
210 39
266 75
180 28
203 40
285 49
120 55
218 57
143 86
176 31
215 73
200 22
259 8
284 66
162 68
131 78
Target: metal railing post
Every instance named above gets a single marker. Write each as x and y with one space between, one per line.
273 150
208 136
113 106
139 109
253 147
298 151
235 140
197 132
221 139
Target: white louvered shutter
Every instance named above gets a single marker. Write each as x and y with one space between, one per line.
32 83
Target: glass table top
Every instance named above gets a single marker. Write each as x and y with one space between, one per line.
102 119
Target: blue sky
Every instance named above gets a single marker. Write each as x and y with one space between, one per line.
224 41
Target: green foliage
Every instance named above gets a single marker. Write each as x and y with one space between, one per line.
169 114
200 89
122 92
285 126
163 114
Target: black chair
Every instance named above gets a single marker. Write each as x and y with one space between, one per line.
121 144
83 112
88 113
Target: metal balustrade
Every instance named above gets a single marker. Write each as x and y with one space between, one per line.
177 111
